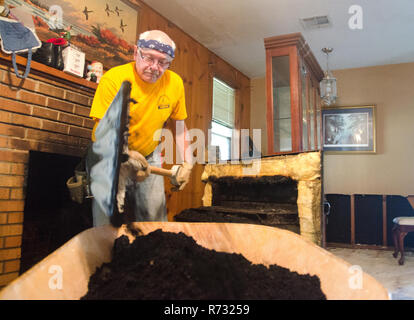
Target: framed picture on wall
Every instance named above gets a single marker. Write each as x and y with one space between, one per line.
106 31
349 129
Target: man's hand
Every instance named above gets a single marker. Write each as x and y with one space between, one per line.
183 176
140 164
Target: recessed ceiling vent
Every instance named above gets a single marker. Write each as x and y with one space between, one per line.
316 22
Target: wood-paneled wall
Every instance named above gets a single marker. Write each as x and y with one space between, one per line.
197 66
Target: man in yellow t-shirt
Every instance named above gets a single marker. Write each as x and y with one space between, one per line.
159 96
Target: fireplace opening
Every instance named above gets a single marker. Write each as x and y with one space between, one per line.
266 200
51 218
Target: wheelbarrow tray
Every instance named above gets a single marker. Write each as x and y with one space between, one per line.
65 273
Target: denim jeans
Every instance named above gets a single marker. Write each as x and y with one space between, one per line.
148 195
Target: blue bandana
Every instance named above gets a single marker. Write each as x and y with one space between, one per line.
156 45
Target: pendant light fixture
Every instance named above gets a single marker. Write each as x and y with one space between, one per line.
328 83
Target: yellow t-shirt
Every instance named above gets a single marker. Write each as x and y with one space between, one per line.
156 103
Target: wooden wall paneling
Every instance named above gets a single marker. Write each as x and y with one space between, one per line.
245 107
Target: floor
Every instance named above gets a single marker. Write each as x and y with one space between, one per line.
398 280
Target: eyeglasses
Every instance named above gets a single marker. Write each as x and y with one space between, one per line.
164 64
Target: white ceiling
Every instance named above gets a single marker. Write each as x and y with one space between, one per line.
235 29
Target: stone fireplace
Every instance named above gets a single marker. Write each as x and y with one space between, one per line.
302 170
45 114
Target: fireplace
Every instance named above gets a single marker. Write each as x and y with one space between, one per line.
265 200
44 119
280 191
51 218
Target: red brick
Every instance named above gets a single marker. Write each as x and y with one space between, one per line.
11 130
78 98
3 218
15 217
15 106
82 111
55 126
17 194
5 193
11 205
4 142
17 168
32 98
8 92
2 244
88 123
19 144
5 116
72 119
10 254
51 90
11 230
85 142
11 80
6 278
27 121
80 132
5 167
76 151
12 242
44 113
14 156
60 105
11 266
52 137
11 181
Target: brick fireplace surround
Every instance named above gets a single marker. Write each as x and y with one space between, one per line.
47 112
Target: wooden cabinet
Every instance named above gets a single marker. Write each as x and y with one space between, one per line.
293 99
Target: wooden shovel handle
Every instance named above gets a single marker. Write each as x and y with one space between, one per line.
161 171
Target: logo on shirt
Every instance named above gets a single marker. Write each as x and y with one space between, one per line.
163 102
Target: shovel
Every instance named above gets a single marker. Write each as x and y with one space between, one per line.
170 173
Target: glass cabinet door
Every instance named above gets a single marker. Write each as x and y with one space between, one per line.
282 117
292 93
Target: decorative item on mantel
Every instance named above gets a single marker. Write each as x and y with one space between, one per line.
4 9
95 71
328 83
74 61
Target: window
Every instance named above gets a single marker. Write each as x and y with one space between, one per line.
223 117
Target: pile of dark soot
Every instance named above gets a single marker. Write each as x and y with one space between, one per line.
170 266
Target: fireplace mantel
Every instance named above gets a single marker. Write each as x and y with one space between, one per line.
47 112
47 72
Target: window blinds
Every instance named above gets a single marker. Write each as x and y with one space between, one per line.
223 103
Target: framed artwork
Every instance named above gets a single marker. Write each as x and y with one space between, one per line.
349 129
106 31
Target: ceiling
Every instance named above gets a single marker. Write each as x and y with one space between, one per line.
235 29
